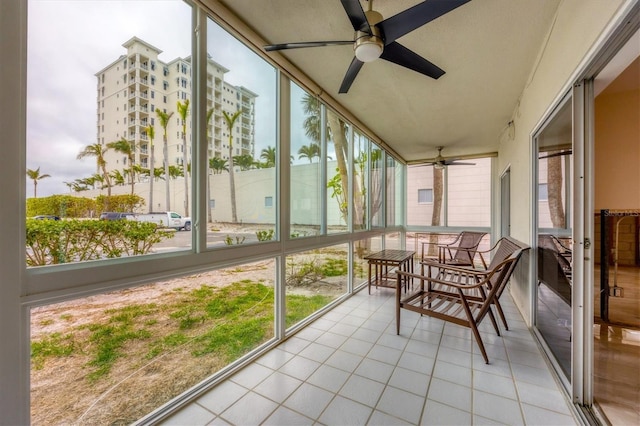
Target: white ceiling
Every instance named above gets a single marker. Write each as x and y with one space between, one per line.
488 49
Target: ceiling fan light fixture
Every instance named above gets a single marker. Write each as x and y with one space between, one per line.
368 48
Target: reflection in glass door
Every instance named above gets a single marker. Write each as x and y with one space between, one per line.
554 244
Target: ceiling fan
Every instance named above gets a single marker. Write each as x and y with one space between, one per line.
375 37
440 163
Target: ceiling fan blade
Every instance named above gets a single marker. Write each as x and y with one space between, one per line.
351 74
302 44
556 154
457 163
408 20
402 56
356 15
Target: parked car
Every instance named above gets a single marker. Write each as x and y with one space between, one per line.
116 216
46 217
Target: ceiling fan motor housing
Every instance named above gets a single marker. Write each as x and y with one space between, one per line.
369 46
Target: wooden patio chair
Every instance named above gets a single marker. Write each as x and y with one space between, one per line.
461 251
460 295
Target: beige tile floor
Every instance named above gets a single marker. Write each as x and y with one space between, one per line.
350 368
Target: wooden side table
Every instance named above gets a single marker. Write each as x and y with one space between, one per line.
383 265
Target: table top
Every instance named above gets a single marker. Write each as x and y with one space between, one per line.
391 255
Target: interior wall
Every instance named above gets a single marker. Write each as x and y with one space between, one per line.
617 143
571 38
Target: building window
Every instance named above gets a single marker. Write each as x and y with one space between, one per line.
153 107
165 71
153 66
153 94
165 85
268 201
543 192
153 80
212 204
425 196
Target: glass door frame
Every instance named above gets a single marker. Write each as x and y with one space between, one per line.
554 111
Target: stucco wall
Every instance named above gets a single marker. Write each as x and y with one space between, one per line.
617 150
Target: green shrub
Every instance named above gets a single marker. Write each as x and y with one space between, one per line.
68 206
265 235
62 241
62 206
119 203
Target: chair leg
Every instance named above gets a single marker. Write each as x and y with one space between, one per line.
493 321
501 314
476 333
398 307
473 326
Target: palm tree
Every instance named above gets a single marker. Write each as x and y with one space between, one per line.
309 151
164 121
36 176
127 148
268 154
336 132
183 109
218 165
175 172
96 178
245 162
151 132
230 121
98 151
118 177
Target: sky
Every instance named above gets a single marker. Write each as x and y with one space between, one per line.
65 53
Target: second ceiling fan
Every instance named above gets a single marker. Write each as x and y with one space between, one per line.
440 162
375 37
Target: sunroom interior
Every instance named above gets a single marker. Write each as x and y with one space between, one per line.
269 280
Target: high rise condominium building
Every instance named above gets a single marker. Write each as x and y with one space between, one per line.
135 86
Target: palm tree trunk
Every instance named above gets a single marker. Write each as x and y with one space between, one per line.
554 189
209 218
166 173
341 148
438 186
152 177
185 158
232 187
